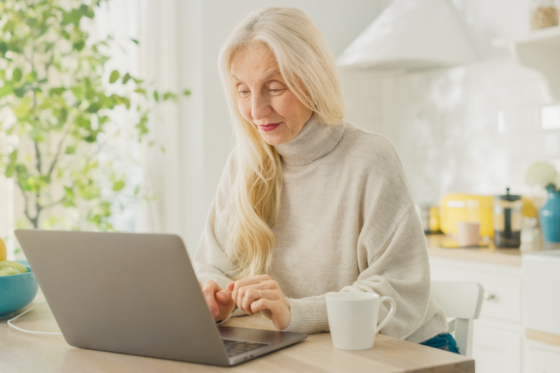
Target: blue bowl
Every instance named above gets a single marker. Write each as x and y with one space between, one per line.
17 291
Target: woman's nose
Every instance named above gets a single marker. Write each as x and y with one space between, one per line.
260 107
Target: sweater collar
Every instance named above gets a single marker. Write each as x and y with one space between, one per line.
313 141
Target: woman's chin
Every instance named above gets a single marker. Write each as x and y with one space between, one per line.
274 138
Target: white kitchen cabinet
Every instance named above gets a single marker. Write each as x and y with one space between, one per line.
541 357
541 274
496 350
498 335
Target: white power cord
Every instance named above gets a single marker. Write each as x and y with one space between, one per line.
29 331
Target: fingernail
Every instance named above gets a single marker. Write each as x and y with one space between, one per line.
214 313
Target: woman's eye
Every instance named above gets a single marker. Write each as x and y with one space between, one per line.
275 90
243 93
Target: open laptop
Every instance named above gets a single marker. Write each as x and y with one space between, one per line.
136 294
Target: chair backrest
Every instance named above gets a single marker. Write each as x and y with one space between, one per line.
462 301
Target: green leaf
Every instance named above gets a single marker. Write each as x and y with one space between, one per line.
102 120
156 96
79 45
6 90
118 186
10 25
93 108
70 150
126 78
78 92
3 47
10 170
31 77
89 192
17 75
56 91
134 41
142 126
19 92
169 95
114 76
13 156
63 116
187 92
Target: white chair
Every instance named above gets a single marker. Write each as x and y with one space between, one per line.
462 302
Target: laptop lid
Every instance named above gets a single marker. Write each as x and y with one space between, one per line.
124 292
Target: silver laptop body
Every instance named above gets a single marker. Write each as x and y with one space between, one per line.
136 294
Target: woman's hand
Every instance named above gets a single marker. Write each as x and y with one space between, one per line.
219 301
261 293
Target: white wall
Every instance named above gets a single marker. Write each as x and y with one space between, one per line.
207 135
471 129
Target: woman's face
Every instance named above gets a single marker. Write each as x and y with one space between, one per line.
263 98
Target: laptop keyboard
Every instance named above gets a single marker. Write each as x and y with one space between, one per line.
234 347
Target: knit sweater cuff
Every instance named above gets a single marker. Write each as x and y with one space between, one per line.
308 316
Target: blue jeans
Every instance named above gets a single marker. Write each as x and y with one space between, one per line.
444 341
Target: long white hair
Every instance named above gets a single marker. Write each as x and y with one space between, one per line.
307 65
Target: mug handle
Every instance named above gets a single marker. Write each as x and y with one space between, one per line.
389 315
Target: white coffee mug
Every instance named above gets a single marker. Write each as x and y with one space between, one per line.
353 318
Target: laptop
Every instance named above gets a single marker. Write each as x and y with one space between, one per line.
136 294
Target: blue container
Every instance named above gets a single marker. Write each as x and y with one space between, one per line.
550 216
17 291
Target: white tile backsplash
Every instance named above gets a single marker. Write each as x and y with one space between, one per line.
472 129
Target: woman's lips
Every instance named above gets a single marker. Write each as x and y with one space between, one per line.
269 127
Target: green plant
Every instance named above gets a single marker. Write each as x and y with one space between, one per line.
55 110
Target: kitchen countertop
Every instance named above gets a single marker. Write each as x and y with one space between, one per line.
490 254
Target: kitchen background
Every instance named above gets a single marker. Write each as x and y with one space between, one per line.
472 128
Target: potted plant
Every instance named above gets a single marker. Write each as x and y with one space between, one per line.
545 175
56 100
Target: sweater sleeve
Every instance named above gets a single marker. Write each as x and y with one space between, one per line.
400 270
391 251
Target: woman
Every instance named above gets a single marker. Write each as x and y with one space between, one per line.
308 204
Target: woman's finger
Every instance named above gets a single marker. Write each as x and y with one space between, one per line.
250 296
242 294
209 289
265 283
248 281
263 304
274 310
224 297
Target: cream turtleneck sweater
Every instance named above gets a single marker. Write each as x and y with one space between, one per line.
346 223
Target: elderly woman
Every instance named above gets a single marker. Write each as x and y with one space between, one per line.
308 203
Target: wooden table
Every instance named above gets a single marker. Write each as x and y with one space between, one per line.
22 353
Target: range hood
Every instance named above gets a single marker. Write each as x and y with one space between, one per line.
411 35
